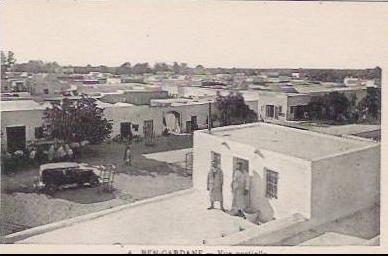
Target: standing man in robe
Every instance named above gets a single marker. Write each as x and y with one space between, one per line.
61 153
215 182
128 156
51 153
240 190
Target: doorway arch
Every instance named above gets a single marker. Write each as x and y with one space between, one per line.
172 121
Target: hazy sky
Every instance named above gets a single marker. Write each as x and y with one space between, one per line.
213 33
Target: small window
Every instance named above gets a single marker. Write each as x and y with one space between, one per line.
38 132
46 91
135 127
216 160
272 179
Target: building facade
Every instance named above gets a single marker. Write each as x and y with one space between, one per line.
293 106
288 173
21 121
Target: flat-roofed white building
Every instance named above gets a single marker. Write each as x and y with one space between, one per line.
183 115
131 120
177 115
138 94
21 121
282 106
188 115
292 106
320 176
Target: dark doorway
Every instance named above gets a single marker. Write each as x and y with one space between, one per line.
194 123
189 127
16 138
238 162
297 112
149 131
270 111
126 130
39 134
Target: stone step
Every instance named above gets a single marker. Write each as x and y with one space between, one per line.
265 233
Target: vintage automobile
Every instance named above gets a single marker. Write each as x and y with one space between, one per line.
55 176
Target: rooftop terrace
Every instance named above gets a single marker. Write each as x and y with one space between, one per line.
302 144
21 105
171 220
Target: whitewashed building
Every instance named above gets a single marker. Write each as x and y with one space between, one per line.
292 106
322 177
21 121
132 120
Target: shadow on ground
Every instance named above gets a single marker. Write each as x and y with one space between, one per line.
84 195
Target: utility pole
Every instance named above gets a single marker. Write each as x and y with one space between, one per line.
210 118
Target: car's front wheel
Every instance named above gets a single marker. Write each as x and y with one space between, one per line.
94 182
51 189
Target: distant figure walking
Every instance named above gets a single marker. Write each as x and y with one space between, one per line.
306 115
215 182
69 152
33 155
76 147
128 156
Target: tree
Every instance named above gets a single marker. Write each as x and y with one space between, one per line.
141 68
161 67
353 111
3 58
77 121
3 64
232 109
7 62
316 108
377 76
370 106
184 68
176 68
11 58
181 68
199 70
330 107
124 69
338 105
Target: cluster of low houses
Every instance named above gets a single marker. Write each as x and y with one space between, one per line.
140 109
320 176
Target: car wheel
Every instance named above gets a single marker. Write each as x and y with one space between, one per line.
94 182
51 189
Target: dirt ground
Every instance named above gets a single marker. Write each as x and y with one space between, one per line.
22 208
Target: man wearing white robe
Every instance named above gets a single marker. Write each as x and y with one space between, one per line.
240 190
215 182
